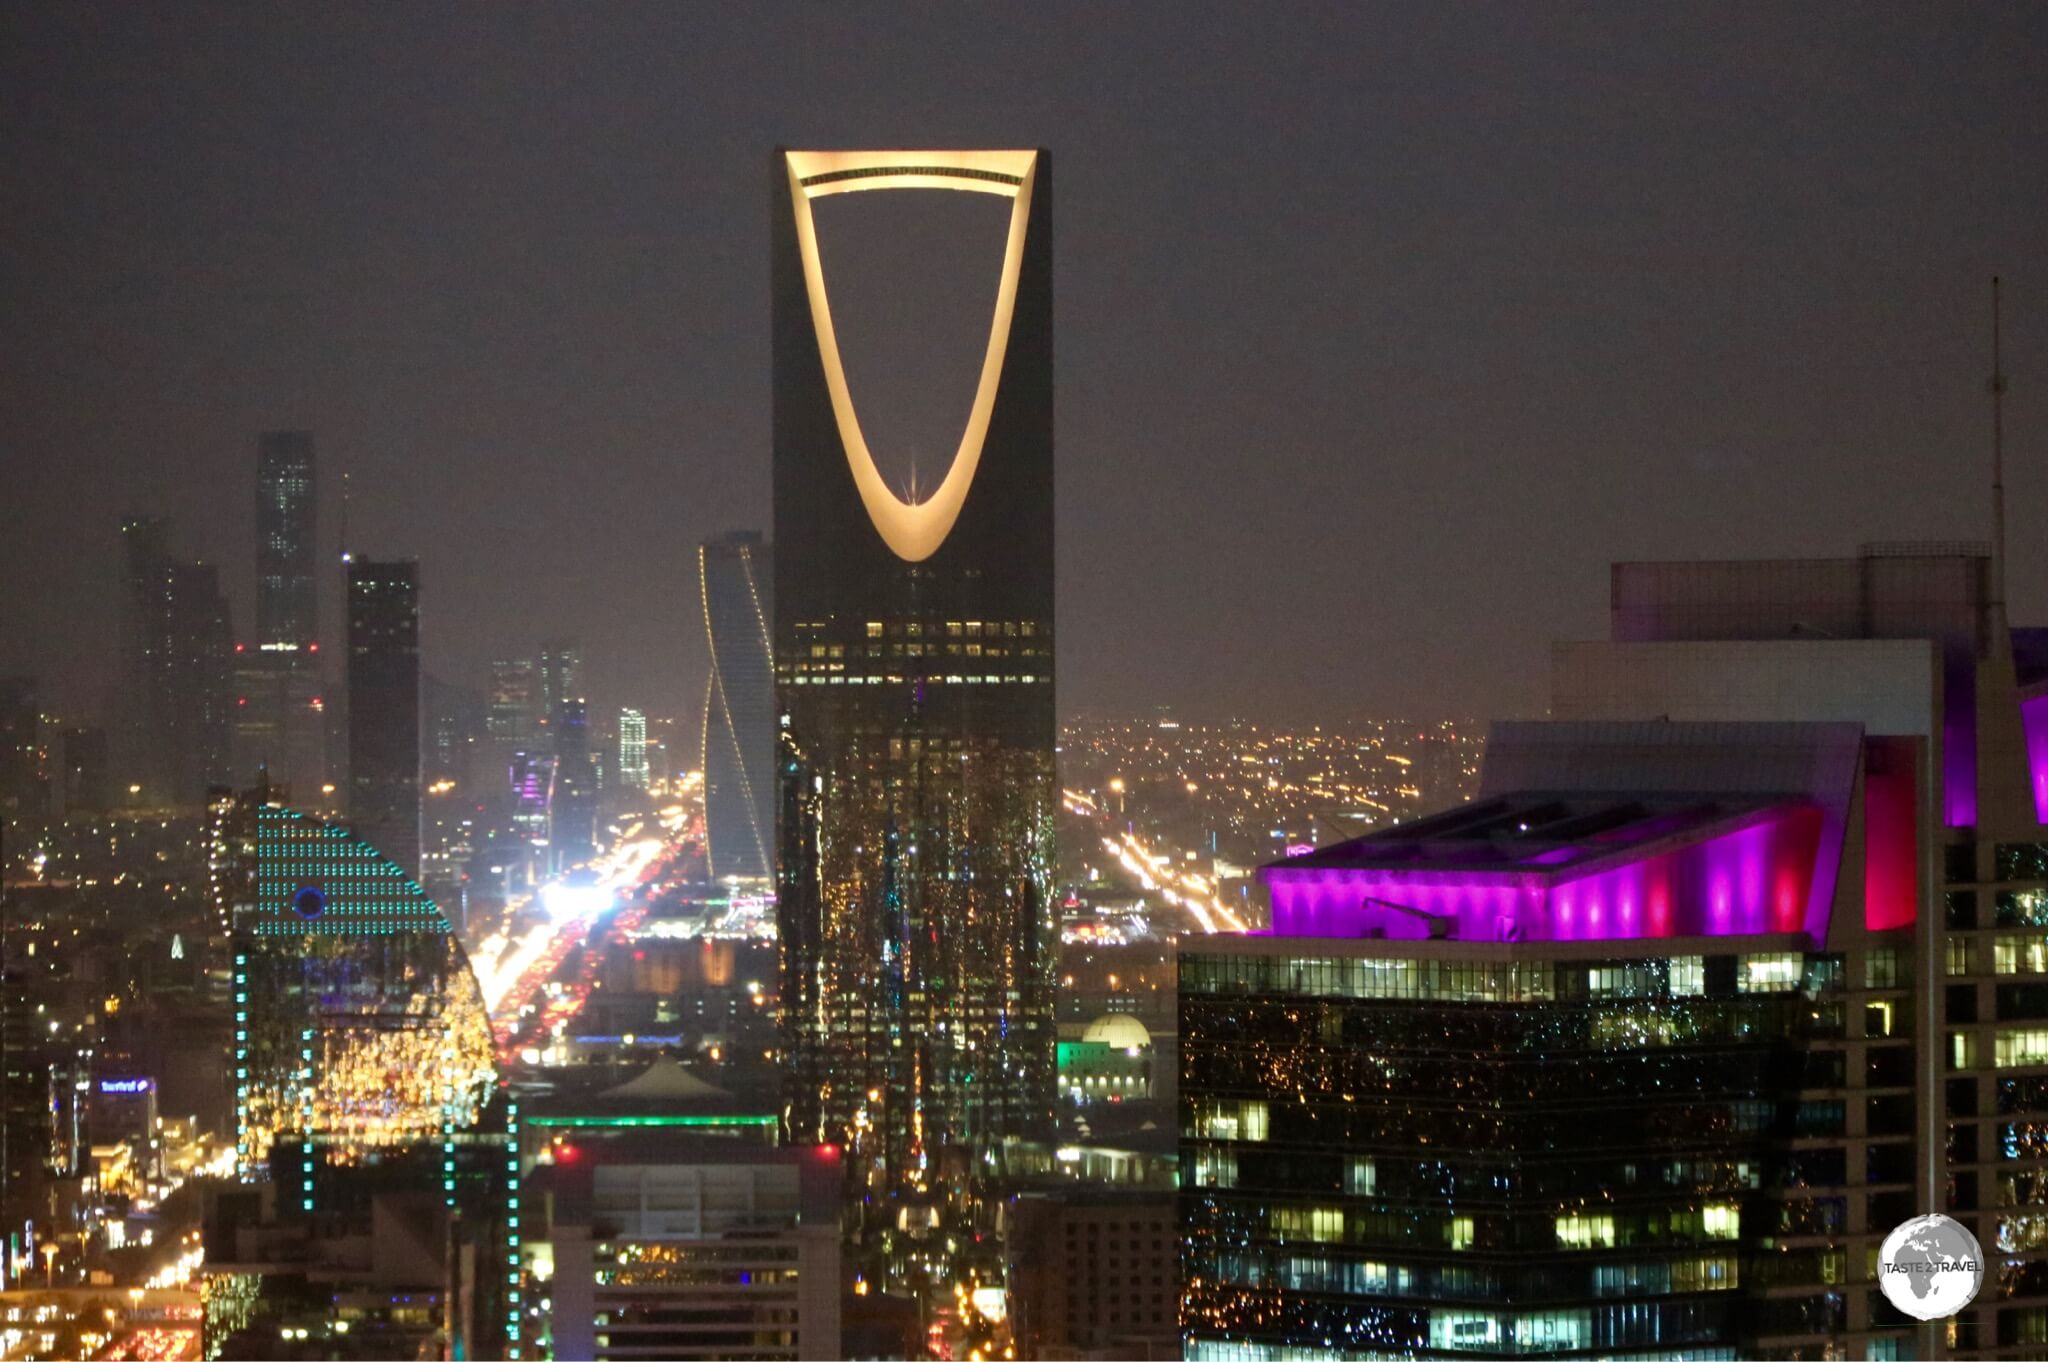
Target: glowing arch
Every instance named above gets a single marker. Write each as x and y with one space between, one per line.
912 532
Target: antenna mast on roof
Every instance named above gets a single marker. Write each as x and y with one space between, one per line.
345 555
1996 387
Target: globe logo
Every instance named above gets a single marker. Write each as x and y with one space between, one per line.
1930 1267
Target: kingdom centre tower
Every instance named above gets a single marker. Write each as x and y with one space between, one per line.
916 784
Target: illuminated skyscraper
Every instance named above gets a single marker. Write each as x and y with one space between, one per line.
914 681
363 1061
510 729
561 678
531 778
632 749
384 707
400 1055
572 803
735 586
280 716
287 542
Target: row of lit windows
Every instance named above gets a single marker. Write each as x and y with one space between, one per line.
1523 981
953 629
833 651
1325 977
2012 1047
1299 1271
1575 1230
897 679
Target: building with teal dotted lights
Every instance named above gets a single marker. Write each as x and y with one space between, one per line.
364 1063
359 1024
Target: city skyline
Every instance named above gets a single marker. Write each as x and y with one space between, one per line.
1517 392
731 795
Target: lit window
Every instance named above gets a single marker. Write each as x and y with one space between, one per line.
2020 954
1688 976
1460 1231
1215 1166
1704 1274
1231 1120
1317 1224
1361 1176
1579 1230
2016 1049
1722 1220
1776 972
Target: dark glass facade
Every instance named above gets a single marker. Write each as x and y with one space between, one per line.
177 649
1502 1152
384 707
916 776
287 541
23 787
572 805
735 588
145 656
199 682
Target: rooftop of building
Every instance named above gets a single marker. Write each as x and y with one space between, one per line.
1542 831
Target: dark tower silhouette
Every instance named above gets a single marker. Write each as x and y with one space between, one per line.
572 806
287 547
384 707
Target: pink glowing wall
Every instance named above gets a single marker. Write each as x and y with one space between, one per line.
1891 834
2034 719
1753 879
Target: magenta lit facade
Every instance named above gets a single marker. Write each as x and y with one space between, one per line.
1746 880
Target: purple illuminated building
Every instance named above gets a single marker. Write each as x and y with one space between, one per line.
1735 963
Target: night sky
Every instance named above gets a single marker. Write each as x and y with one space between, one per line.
1380 333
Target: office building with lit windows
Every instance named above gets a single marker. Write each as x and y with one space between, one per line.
280 713
735 586
632 749
364 1069
658 1243
511 711
1727 971
561 678
913 651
